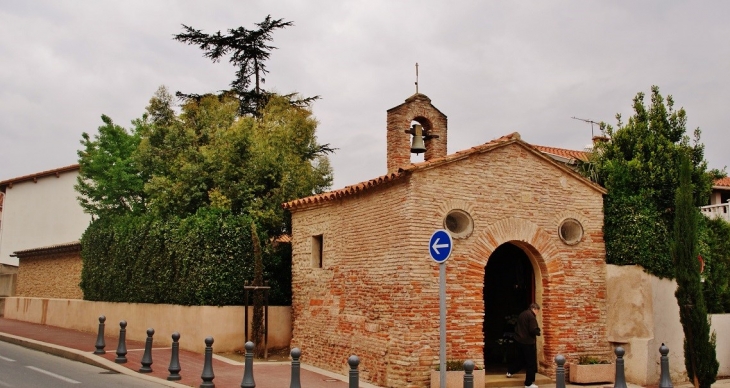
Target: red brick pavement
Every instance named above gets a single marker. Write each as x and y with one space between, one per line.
226 374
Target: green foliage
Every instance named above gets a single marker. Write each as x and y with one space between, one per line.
635 233
590 360
207 156
714 247
639 167
174 198
249 50
699 346
109 182
203 259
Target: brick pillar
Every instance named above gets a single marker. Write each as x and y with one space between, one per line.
416 108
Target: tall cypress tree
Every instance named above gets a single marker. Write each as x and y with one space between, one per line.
699 345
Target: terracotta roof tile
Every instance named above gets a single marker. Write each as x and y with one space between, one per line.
72 246
568 154
723 182
367 185
35 176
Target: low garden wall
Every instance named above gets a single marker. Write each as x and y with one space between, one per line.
721 326
642 314
194 323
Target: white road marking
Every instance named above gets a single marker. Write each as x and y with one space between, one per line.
4 384
66 379
6 359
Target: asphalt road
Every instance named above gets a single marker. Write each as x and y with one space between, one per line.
26 368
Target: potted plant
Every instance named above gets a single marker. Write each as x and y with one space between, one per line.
591 369
455 375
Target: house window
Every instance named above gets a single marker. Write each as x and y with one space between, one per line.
570 231
459 223
317 248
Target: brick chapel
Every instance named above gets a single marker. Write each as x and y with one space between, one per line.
525 227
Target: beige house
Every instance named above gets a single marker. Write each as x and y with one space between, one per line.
525 228
719 206
41 224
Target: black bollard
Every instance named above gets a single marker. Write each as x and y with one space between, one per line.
354 361
295 365
665 380
468 374
248 381
560 372
122 347
100 338
208 375
147 356
174 368
620 377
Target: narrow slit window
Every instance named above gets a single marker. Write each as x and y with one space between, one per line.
317 249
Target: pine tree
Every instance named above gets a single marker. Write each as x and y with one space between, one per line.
699 346
248 50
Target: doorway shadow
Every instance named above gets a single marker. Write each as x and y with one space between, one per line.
509 288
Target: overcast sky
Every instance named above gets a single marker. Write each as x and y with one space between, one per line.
492 67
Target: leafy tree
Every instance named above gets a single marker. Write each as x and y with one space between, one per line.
699 346
248 50
208 156
639 168
236 155
109 180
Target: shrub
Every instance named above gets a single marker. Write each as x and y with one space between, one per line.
203 259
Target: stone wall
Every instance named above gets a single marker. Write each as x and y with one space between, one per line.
643 314
194 323
53 276
377 293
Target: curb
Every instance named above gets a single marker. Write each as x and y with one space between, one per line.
81 356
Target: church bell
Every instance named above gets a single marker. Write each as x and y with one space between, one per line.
417 146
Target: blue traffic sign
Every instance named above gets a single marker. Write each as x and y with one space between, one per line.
439 246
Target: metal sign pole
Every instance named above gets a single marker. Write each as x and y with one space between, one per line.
442 325
439 247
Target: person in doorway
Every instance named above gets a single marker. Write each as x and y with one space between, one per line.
526 332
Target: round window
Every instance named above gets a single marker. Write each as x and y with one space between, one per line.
459 224
570 231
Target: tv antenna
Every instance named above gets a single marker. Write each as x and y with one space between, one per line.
589 121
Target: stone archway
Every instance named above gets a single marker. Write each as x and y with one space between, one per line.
509 288
538 247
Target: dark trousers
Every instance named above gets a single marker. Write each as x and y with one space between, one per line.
526 358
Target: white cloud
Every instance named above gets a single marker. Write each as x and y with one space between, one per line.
492 68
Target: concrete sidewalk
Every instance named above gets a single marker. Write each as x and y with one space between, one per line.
79 346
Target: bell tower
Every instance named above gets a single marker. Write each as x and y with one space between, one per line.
404 138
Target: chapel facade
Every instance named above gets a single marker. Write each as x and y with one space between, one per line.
525 229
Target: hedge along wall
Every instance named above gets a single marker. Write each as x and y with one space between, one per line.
203 259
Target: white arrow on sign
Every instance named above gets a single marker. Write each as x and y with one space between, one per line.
436 246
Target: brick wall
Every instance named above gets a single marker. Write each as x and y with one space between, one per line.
416 108
52 276
377 293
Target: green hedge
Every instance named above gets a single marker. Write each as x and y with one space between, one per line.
635 233
714 247
203 259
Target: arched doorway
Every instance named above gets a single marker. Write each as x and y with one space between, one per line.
509 288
